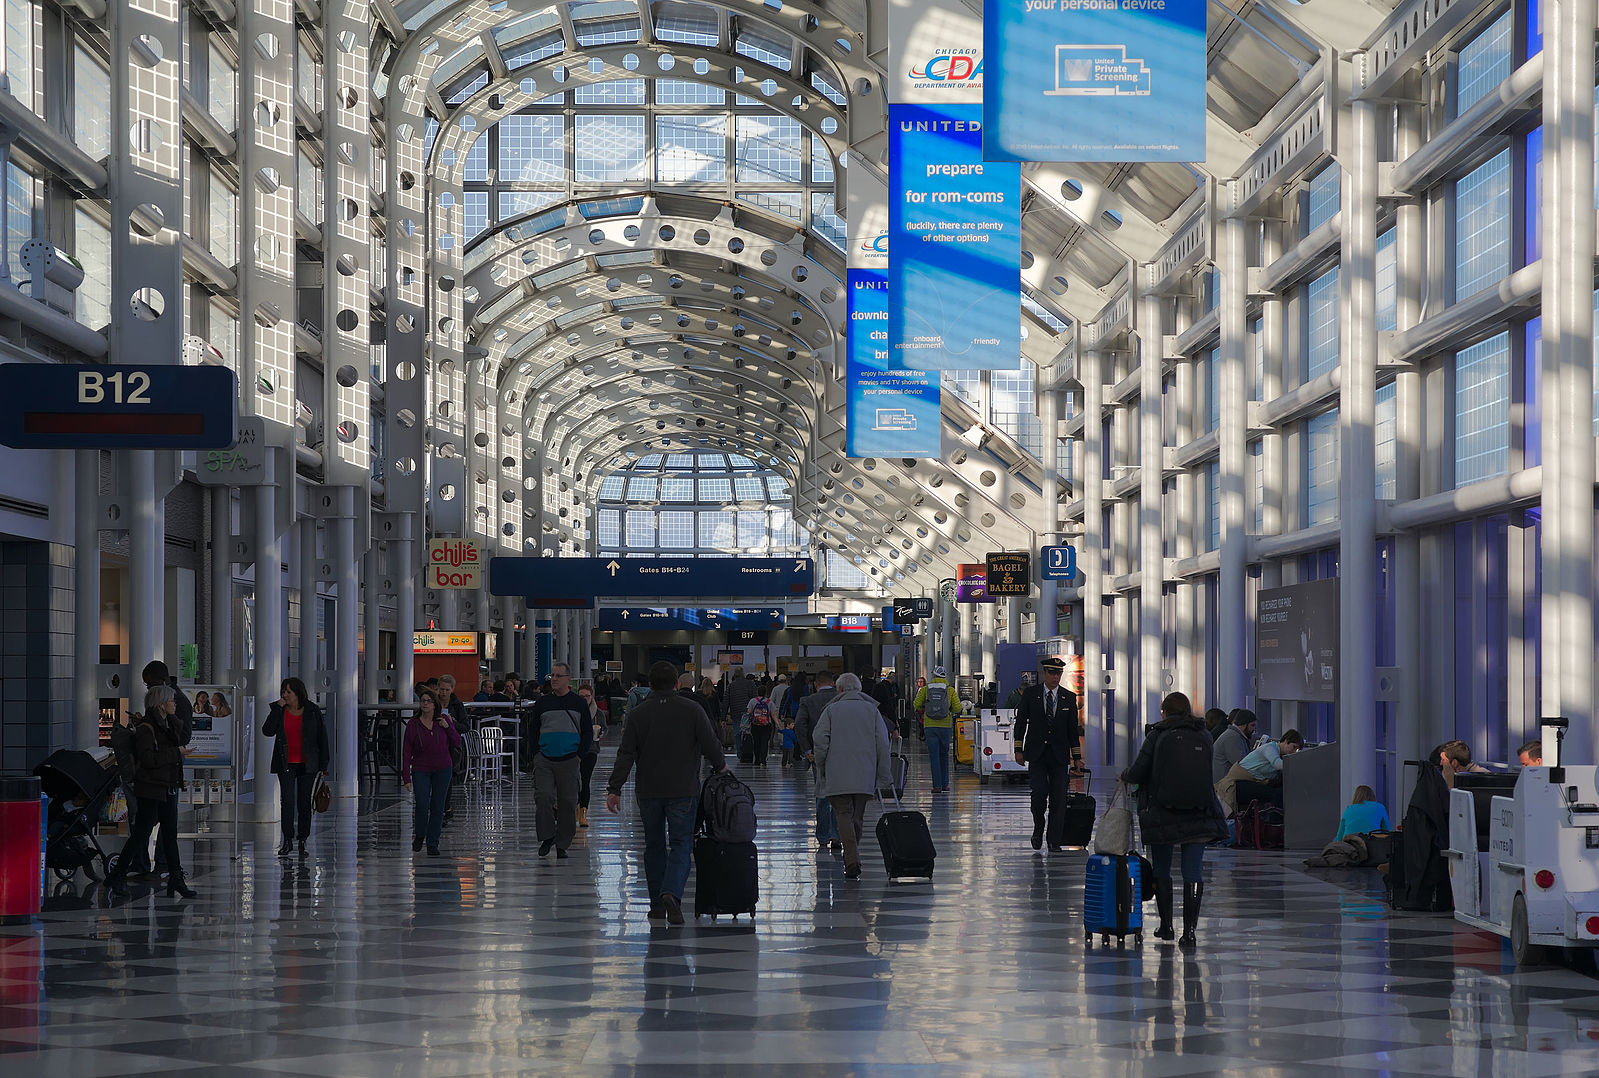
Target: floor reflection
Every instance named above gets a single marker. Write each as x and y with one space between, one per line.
366 959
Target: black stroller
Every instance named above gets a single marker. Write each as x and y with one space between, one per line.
77 784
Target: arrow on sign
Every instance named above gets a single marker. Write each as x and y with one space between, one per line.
777 613
613 565
799 566
624 615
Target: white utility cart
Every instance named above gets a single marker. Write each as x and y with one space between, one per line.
1534 877
994 749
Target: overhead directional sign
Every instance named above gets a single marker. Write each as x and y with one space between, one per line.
1057 562
690 619
904 612
849 623
539 579
162 406
1010 574
922 605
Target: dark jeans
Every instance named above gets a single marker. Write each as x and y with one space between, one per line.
1193 861
668 843
826 821
588 771
1049 782
429 791
763 741
295 785
148 812
938 739
1246 791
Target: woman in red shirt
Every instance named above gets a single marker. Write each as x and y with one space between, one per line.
298 758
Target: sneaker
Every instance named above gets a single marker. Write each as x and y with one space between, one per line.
673 907
561 855
852 872
546 846
657 911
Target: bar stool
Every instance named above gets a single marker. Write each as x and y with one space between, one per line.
490 767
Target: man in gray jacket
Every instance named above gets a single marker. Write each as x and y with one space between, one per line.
810 712
851 745
740 692
666 735
1232 744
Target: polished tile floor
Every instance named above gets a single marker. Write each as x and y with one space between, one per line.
368 961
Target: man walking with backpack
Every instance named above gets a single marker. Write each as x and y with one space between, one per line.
1050 742
933 702
666 736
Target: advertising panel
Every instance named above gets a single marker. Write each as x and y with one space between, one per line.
955 233
454 564
971 583
437 643
211 742
889 413
1296 642
1094 80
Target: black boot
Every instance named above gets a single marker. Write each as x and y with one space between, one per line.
1163 903
177 885
1193 894
286 848
1038 830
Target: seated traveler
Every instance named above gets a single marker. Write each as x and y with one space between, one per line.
1258 776
1364 815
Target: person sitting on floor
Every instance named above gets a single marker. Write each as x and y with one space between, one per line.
1364 815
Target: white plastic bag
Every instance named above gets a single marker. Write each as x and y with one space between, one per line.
1114 834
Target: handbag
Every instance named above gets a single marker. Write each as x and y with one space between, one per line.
322 794
1114 835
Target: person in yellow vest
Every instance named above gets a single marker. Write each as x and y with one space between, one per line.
935 703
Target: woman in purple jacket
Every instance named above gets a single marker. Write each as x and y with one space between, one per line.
429 737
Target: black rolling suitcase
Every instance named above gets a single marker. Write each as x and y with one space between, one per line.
1077 815
726 877
906 843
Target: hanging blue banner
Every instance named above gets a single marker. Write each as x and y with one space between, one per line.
888 413
1094 80
954 227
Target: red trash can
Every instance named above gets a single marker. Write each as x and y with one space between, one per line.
21 852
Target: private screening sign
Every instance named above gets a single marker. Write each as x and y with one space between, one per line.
955 233
1094 80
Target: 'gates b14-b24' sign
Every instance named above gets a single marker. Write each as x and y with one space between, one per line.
454 563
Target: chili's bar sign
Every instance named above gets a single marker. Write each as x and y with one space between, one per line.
454 563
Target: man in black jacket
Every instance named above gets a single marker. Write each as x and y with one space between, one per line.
181 723
666 736
1050 741
810 711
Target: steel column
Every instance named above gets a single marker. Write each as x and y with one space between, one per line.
946 652
146 561
507 651
346 632
1089 559
1568 354
372 620
1233 622
268 644
988 623
1410 240
221 648
1151 443
86 599
1047 621
402 563
307 663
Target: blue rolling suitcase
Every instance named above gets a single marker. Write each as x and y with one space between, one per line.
1111 901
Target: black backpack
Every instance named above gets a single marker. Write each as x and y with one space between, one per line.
1181 778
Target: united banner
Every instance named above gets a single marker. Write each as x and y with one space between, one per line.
889 413
955 233
1094 80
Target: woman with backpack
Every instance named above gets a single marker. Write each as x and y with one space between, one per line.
1177 806
763 720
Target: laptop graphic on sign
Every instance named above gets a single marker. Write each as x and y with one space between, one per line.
1098 71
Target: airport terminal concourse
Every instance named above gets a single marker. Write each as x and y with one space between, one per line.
437 435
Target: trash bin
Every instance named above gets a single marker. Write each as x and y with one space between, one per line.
21 852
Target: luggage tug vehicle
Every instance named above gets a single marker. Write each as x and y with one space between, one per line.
994 746
1526 866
